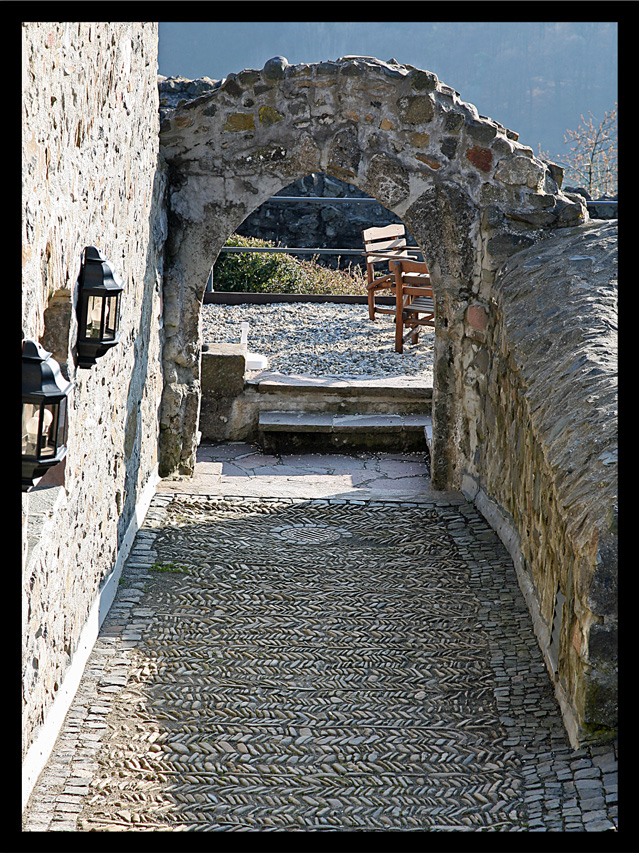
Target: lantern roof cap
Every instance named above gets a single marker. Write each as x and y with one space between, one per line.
97 275
33 351
41 375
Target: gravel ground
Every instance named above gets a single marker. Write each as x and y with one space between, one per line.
320 339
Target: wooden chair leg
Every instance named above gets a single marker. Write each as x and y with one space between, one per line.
414 338
399 322
371 304
399 337
399 307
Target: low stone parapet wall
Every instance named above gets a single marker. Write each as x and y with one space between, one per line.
222 377
547 451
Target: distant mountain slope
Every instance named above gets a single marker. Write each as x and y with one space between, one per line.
536 78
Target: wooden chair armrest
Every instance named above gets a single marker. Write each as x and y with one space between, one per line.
418 291
381 283
410 266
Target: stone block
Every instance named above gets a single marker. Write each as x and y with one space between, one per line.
520 170
237 122
480 157
269 115
424 81
480 131
275 68
223 369
416 109
295 422
477 317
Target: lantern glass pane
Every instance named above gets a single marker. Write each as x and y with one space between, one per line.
61 432
94 317
111 318
49 429
30 428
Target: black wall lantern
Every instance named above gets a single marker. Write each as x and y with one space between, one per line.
44 413
98 308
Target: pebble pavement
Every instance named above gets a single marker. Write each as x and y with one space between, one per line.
318 642
349 656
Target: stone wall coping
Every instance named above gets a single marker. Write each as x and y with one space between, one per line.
215 348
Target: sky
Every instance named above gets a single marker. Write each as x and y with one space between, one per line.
535 78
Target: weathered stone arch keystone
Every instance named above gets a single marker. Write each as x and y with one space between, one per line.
469 192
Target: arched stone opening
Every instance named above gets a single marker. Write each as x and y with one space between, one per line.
467 190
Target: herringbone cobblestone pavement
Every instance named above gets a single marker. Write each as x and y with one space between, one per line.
318 665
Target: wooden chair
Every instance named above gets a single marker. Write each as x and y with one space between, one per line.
408 280
382 245
414 300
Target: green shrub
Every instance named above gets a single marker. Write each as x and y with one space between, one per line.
263 272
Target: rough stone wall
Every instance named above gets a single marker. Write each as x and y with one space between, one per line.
547 448
91 176
467 190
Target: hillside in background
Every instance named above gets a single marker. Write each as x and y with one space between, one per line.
536 78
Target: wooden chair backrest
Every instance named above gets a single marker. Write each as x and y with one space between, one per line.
381 244
412 278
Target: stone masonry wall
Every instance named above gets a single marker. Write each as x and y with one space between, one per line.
300 224
547 442
319 225
91 176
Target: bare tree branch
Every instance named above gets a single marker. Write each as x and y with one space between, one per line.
592 161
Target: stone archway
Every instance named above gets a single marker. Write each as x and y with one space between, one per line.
469 192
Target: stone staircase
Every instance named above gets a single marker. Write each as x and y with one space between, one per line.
320 414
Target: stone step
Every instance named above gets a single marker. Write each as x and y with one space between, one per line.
348 396
233 398
398 388
281 431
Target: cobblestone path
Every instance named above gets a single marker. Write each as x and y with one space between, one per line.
315 664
